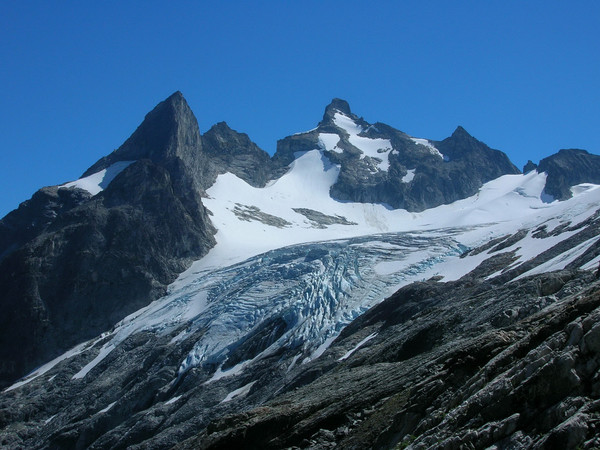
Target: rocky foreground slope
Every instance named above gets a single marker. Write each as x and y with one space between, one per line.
449 367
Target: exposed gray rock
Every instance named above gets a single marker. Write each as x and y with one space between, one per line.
467 164
568 168
86 262
249 213
229 151
529 166
321 220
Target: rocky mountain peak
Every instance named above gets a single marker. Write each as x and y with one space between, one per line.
529 166
230 151
461 133
169 130
567 168
337 104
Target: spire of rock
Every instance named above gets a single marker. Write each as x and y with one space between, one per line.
337 104
169 130
460 132
529 166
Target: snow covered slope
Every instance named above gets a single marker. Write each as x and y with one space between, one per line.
297 208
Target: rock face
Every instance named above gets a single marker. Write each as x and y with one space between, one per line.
379 164
529 166
229 151
73 264
568 168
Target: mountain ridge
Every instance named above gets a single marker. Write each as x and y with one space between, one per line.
195 291
170 142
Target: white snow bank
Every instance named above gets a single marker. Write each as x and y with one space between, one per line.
329 141
78 349
238 393
410 175
561 261
430 147
359 345
102 411
374 148
173 400
98 181
104 352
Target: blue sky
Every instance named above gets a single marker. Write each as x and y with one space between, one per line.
78 77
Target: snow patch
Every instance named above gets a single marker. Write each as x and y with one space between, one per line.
173 400
410 175
320 349
104 352
373 148
238 393
102 411
329 141
49 365
98 181
429 146
231 372
347 124
49 419
359 345
561 261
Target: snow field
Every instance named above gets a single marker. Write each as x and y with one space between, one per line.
98 181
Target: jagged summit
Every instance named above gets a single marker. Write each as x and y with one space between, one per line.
169 130
529 166
337 104
567 168
461 132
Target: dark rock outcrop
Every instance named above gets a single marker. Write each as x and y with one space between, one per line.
568 168
33 216
529 166
456 170
74 264
227 150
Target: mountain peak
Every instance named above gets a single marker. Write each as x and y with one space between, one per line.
337 104
169 130
461 132
568 168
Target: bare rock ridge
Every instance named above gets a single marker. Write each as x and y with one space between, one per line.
169 130
88 261
404 172
568 168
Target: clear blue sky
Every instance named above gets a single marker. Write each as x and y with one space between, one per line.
78 77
